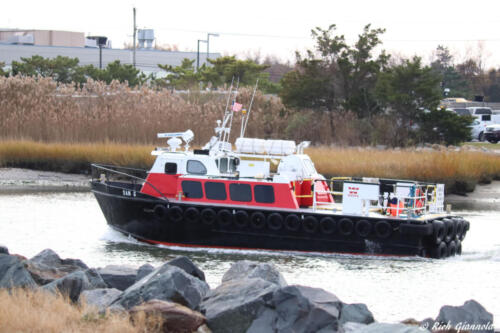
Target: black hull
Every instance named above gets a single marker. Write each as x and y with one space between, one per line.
157 221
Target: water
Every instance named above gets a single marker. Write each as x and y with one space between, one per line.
393 288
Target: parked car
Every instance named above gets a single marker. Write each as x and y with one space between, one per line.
492 133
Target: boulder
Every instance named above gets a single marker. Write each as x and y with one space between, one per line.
246 269
73 284
299 309
176 318
188 266
235 304
101 298
167 283
118 277
13 273
47 266
390 328
462 317
4 249
356 313
143 271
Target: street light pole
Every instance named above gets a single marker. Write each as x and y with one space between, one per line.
198 53
208 42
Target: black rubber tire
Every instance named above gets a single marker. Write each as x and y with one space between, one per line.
439 231
466 228
224 217
363 228
275 221
192 215
439 251
327 225
257 220
459 247
310 224
452 249
208 216
345 227
241 219
160 211
292 222
383 229
451 230
459 228
175 214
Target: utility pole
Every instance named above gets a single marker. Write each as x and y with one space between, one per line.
135 29
198 54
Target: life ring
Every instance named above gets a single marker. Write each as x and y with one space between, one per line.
346 227
452 249
440 251
450 230
241 218
208 216
175 214
224 217
257 220
192 215
438 231
327 225
160 211
292 222
310 224
363 228
275 221
383 229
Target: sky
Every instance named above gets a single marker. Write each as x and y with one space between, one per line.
275 27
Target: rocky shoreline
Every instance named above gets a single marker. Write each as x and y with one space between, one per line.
252 297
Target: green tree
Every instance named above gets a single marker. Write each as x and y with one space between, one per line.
406 91
3 72
183 76
62 69
451 78
439 125
337 76
117 71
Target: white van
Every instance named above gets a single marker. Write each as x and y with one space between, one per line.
484 116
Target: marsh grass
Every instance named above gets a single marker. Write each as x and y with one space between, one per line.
38 311
454 168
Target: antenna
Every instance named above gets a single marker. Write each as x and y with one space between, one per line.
244 121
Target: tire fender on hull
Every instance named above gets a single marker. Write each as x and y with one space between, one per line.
175 214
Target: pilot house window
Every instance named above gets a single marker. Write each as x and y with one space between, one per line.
240 192
171 168
192 189
264 193
196 168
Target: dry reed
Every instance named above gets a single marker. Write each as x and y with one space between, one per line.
38 311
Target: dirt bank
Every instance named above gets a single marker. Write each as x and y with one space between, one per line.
24 180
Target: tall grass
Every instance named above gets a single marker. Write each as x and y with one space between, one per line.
38 311
447 166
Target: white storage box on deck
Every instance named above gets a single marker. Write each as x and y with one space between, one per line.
260 146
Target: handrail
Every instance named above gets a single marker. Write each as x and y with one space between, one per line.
101 167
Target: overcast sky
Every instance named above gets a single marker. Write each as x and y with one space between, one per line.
274 27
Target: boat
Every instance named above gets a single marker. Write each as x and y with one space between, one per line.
267 195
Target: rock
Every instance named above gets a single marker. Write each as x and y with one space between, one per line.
166 283
118 277
299 309
351 327
188 266
176 318
390 328
4 249
143 271
47 266
101 298
357 313
471 313
246 269
13 273
73 284
235 304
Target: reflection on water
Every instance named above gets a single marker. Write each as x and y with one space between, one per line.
394 288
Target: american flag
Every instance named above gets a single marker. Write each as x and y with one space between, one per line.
237 107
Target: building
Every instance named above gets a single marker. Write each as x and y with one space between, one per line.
17 44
